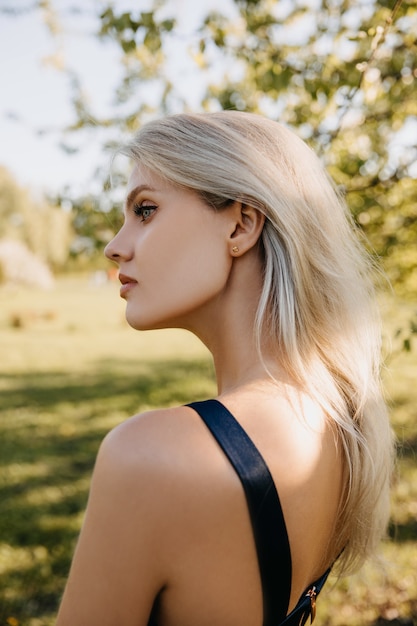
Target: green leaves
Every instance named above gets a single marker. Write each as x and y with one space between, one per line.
130 32
341 73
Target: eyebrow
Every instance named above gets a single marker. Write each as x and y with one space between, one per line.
137 190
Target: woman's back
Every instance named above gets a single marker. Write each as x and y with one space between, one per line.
199 526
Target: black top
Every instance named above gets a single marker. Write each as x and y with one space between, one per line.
270 532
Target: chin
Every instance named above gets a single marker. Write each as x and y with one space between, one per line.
158 317
141 325
146 324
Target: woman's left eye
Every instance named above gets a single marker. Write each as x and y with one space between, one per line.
144 210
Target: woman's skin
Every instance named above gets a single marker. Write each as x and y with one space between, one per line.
167 519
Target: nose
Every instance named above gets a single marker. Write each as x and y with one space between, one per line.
110 252
118 248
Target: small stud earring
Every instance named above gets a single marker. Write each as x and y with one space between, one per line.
235 249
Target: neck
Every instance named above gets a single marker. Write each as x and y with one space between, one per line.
227 328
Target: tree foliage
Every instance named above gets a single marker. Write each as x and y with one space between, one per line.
32 221
341 73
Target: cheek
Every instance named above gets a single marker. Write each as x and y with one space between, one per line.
178 277
196 269
191 250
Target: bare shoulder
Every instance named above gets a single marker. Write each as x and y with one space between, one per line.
164 470
146 432
166 457
153 446
137 507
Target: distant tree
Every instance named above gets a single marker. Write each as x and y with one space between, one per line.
44 227
13 200
93 226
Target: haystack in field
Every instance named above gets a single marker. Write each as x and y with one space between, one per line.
19 266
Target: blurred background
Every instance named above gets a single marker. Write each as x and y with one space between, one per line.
76 78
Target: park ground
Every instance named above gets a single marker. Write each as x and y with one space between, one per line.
71 369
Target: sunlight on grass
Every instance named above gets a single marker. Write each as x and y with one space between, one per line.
386 589
40 496
17 472
71 370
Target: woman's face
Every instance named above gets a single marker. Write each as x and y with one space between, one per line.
173 254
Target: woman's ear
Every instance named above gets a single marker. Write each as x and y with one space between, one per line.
248 223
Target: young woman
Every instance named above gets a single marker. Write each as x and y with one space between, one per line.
230 512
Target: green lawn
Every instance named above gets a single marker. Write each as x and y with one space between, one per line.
70 370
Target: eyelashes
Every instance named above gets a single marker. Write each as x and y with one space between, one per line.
144 211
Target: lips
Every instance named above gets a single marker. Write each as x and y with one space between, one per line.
127 284
126 279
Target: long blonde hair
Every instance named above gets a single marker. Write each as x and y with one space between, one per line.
317 302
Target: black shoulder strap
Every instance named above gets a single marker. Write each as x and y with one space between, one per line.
268 523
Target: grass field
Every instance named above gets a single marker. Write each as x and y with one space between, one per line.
70 370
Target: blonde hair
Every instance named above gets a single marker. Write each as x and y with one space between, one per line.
317 302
